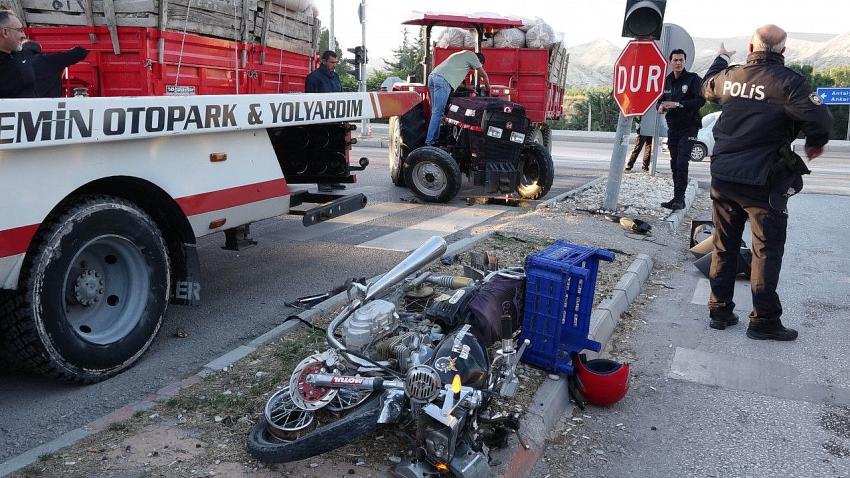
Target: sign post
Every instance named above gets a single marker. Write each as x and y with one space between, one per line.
837 96
638 83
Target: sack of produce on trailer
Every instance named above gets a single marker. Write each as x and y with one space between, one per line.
540 36
509 38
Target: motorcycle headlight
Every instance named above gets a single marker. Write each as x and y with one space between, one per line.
494 132
517 137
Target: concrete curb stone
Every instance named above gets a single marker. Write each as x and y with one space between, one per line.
573 192
676 217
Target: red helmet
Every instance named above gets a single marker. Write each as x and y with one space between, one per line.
602 382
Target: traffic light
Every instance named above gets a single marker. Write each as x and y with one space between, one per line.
644 18
357 61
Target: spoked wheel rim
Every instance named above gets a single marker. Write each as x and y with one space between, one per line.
346 399
305 395
429 178
100 304
285 420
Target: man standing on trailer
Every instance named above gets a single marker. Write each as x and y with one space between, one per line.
17 78
447 76
325 80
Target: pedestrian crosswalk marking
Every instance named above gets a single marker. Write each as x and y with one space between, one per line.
414 236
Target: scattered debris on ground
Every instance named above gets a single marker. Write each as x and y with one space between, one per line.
202 430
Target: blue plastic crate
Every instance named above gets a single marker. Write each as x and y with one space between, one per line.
560 282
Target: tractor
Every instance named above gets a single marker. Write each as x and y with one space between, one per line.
484 136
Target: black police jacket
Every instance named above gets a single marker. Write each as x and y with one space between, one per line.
765 105
17 78
687 91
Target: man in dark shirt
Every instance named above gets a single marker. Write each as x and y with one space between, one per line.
17 78
681 103
325 80
48 67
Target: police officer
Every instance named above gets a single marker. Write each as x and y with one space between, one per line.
753 172
17 78
681 102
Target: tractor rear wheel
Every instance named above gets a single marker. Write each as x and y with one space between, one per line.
542 135
406 133
432 174
536 171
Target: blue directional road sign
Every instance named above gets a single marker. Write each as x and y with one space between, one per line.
835 96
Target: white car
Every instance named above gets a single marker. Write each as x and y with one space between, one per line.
704 145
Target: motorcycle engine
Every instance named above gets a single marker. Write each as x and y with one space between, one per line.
369 323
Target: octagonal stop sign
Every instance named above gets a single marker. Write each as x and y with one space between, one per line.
639 77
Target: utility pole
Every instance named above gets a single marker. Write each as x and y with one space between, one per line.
589 114
331 39
618 160
364 125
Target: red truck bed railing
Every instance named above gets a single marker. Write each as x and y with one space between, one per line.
205 65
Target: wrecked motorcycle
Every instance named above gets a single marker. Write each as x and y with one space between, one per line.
427 372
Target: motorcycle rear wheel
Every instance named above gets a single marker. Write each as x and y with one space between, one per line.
267 448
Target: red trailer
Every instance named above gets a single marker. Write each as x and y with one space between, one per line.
155 62
529 73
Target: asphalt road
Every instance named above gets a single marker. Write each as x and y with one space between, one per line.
244 292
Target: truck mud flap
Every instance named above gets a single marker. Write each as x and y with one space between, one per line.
330 206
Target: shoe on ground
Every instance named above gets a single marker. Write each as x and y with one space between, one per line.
676 205
325 188
627 170
646 170
720 323
782 334
668 204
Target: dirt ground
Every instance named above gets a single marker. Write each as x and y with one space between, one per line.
202 431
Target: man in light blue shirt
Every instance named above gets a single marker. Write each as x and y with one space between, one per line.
447 76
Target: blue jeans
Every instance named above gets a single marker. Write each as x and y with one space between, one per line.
440 91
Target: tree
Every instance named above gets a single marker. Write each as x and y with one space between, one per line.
373 83
407 59
603 110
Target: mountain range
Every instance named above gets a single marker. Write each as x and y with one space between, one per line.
592 64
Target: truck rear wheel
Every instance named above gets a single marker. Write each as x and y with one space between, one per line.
432 174
93 293
536 171
405 133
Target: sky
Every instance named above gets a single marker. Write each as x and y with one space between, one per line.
583 21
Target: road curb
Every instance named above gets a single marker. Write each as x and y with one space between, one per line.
676 217
552 401
560 197
220 363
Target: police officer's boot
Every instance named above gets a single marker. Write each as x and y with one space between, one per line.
721 321
769 329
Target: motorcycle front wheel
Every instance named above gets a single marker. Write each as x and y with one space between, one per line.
268 448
